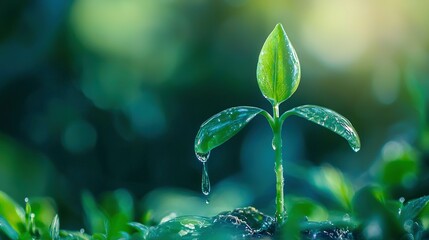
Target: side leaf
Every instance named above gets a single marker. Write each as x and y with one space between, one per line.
278 71
222 126
330 120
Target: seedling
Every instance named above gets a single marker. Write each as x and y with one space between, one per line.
278 74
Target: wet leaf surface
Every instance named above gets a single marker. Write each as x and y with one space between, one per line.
331 120
221 127
278 70
413 208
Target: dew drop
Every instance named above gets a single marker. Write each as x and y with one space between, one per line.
205 181
273 144
408 225
346 217
203 157
26 200
82 231
401 201
207 201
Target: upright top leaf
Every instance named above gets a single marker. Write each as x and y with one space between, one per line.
278 71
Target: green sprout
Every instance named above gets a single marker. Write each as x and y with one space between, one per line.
278 74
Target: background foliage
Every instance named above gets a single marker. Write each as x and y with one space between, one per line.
100 95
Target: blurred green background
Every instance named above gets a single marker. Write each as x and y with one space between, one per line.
101 94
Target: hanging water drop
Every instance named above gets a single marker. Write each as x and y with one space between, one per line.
355 147
205 181
203 157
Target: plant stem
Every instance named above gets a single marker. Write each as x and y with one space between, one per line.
278 167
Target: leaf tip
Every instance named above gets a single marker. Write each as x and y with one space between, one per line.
279 26
356 143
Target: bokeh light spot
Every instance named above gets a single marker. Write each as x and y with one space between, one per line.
337 32
79 136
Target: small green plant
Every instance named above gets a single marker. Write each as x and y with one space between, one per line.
278 75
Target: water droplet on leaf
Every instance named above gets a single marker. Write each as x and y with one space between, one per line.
331 120
401 201
207 201
408 225
205 181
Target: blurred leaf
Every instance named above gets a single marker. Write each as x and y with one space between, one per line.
7 229
278 71
142 230
400 169
118 202
330 120
96 218
12 212
70 235
413 208
378 222
98 236
113 214
27 209
424 217
306 208
300 210
23 172
367 200
44 211
54 229
222 126
117 225
332 181
119 209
